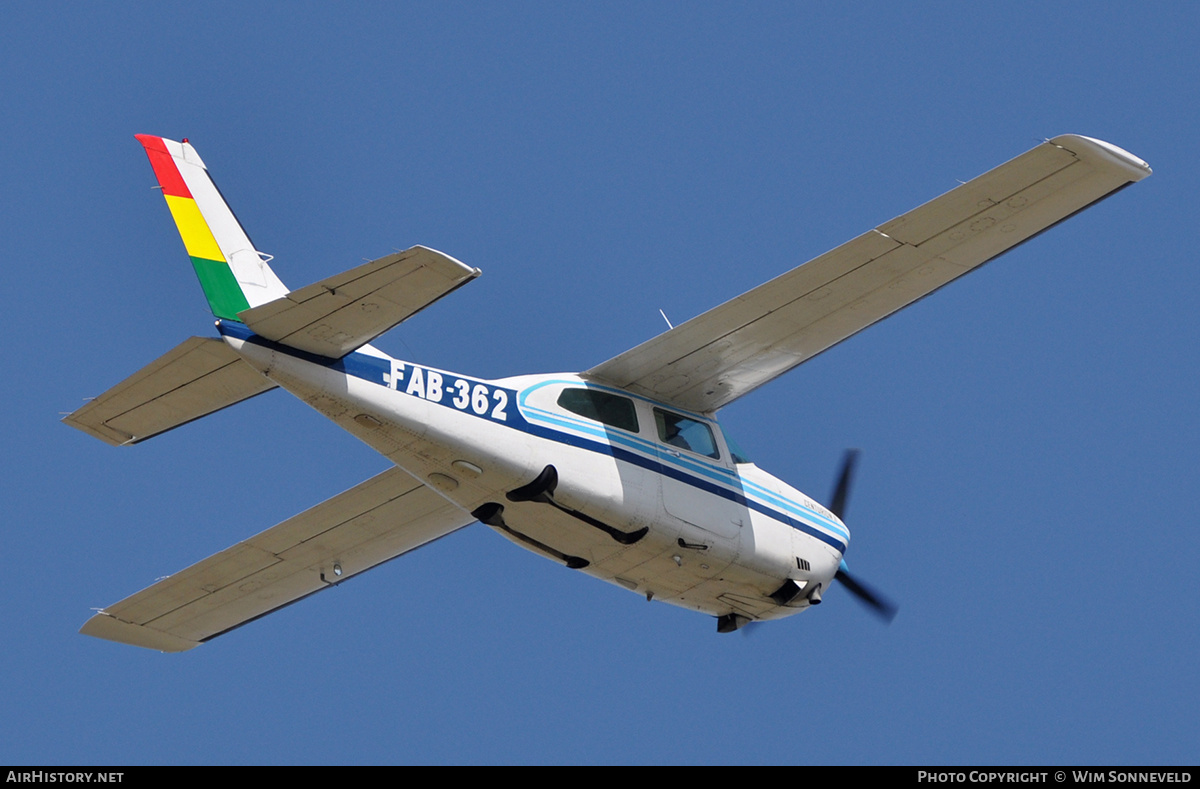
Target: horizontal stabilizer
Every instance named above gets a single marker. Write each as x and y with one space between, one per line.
388 515
337 315
198 377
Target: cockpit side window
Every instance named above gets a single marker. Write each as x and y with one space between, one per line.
679 431
610 409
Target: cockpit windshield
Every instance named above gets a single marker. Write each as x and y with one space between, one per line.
738 455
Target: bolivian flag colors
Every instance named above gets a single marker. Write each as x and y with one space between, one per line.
233 275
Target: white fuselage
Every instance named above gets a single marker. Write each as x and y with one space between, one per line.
690 528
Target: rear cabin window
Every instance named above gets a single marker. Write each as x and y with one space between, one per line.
679 431
610 409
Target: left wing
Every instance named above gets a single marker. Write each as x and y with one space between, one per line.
717 357
388 515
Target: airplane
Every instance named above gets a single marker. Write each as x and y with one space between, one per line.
621 472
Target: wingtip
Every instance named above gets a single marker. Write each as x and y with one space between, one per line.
1090 147
108 627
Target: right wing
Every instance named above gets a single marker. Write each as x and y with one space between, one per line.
335 316
729 351
388 515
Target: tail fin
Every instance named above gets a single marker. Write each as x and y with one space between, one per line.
234 275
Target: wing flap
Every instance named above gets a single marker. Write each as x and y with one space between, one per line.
194 379
380 519
335 316
732 349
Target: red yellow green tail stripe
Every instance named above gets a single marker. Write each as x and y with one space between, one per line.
231 272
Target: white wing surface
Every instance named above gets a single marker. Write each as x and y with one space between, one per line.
335 316
388 515
733 349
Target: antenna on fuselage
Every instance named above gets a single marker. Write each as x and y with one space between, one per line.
665 318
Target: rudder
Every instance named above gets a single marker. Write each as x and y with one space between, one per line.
233 274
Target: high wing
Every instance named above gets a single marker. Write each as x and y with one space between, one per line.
388 515
717 357
333 317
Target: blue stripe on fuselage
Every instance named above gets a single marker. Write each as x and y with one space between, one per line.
374 370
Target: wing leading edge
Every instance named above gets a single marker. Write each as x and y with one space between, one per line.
388 515
732 349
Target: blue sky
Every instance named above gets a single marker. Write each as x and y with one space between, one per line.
1029 434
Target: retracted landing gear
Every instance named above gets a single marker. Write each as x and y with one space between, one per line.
541 490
